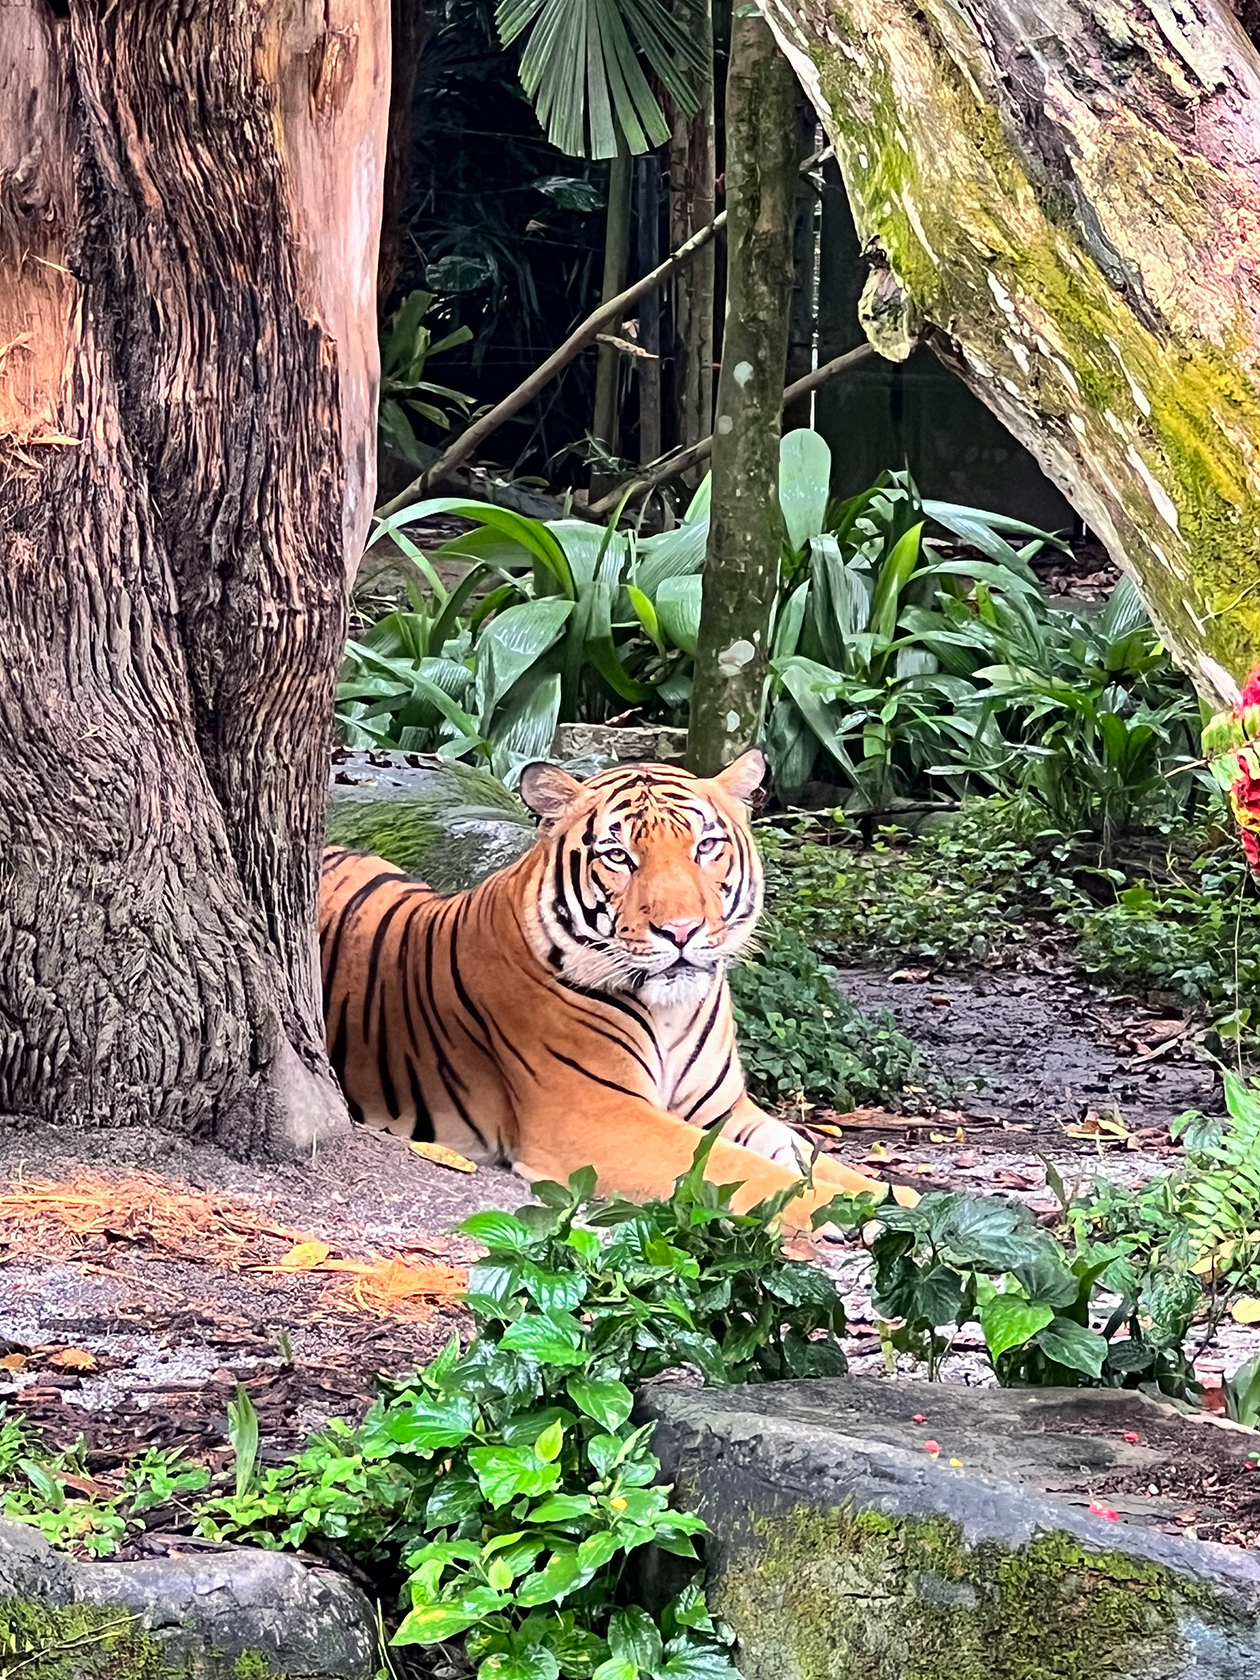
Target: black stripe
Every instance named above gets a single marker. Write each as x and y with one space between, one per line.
422 1131
713 1089
609 1084
701 1040
374 956
337 1056
352 905
383 1072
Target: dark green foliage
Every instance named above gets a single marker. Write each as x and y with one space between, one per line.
1048 1312
962 892
800 1038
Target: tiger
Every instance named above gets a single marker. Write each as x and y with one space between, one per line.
572 1009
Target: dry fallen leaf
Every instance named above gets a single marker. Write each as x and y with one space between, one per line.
73 1359
303 1257
13 1361
1244 1311
443 1157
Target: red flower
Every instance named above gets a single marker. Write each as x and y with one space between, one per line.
1132 1437
919 1418
1250 695
1103 1511
933 1447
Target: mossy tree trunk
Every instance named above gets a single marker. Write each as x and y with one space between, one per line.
741 568
1066 201
189 208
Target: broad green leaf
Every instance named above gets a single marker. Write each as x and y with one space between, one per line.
428 1623
635 1638
1008 1321
549 1443
505 1472
1071 1344
598 1549
804 484
535 1663
894 574
532 534
678 611
562 1507
559 1576
498 1230
426 1424
609 1402
554 1338
510 644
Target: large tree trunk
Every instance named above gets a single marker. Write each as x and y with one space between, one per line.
189 210
741 567
1065 196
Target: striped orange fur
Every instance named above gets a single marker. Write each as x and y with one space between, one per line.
572 1009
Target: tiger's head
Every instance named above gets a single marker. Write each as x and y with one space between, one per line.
652 879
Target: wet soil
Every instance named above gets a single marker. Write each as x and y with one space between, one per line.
1042 1051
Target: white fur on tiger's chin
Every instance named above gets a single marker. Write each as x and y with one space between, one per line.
683 984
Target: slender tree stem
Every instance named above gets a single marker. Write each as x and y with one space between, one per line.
741 569
616 256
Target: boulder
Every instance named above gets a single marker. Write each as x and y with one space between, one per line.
841 1548
586 748
221 1613
448 824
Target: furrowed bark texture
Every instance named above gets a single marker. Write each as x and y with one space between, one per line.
1065 194
189 208
741 567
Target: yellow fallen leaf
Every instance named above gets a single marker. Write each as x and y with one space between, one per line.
73 1359
443 1157
1246 1310
304 1257
13 1361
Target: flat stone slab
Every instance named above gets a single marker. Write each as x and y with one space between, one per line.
841 1548
222 1613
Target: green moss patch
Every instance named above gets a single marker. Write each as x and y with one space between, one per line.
833 1595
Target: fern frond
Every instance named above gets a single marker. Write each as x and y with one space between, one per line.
1225 1198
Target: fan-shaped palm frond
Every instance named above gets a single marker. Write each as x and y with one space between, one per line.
581 68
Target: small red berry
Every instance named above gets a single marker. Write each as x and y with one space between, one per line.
919 1418
1132 1437
932 1447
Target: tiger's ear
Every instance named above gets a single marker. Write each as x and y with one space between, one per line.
742 778
548 790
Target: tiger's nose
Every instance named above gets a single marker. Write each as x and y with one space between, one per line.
678 932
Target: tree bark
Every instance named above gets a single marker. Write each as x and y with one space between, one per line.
692 187
803 316
189 210
741 569
1067 197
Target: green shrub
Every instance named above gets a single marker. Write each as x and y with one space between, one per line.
800 1039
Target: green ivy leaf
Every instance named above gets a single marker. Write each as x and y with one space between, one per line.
429 1623
635 1638
553 1338
609 1402
426 1424
559 1576
548 1444
1071 1344
505 1472
1008 1321
534 1663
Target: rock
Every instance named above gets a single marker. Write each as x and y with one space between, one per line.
230 1613
448 824
840 1547
586 748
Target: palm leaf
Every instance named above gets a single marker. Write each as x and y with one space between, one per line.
581 68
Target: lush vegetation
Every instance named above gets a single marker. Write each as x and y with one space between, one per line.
505 1487
1106 1299
905 666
